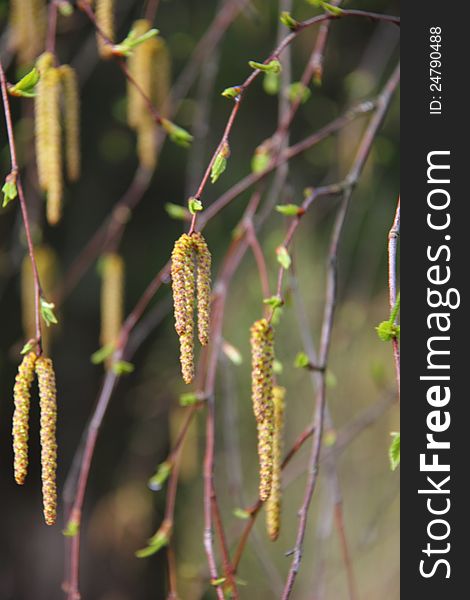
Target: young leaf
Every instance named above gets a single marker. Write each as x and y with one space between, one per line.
122 367
387 331
177 134
273 66
283 257
157 542
194 205
176 211
271 83
189 398
102 354
25 86
10 191
220 163
289 21
394 451
47 312
261 158
288 210
232 92
156 482
71 529
127 46
241 513
301 361
298 91
274 302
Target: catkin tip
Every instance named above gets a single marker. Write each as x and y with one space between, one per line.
21 394
273 506
112 298
48 406
104 13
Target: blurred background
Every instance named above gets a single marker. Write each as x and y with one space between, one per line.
120 511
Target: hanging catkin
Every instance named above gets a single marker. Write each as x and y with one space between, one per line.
21 393
44 62
140 64
262 354
273 506
46 263
28 22
104 13
112 298
48 406
71 121
190 261
203 261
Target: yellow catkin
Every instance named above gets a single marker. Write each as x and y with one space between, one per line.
112 298
44 62
273 506
48 407
181 259
203 269
71 121
187 338
140 65
147 143
189 463
262 358
104 13
46 262
53 150
28 22
262 354
21 393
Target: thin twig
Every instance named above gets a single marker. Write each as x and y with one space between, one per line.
392 284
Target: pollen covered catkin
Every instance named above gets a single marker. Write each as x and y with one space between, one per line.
112 298
21 393
28 22
262 354
273 506
203 269
187 337
140 64
104 13
41 116
71 121
48 407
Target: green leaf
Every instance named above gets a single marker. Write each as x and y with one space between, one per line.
156 543
47 312
232 353
241 513
283 257
218 581
65 8
71 529
298 91
288 210
122 367
273 302
273 66
177 134
10 191
271 83
394 450
128 45
156 482
28 347
301 361
102 354
25 86
176 211
261 159
232 92
289 21
387 331
190 398
220 163
326 6
194 205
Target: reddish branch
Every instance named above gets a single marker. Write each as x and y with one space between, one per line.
15 178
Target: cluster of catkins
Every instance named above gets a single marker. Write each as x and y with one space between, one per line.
191 278
57 86
44 371
268 408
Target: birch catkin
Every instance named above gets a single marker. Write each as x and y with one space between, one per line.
112 298
104 13
273 506
190 261
48 406
203 261
28 20
71 121
22 395
262 353
44 62
140 64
